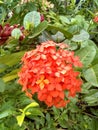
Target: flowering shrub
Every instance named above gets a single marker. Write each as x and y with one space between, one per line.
48 74
49 71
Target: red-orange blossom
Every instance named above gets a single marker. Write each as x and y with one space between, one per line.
49 71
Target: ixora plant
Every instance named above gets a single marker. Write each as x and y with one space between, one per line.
49 71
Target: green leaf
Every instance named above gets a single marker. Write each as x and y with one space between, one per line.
11 59
40 28
85 87
20 119
92 98
2 85
31 19
95 61
9 78
48 118
5 113
91 75
88 43
24 111
86 55
81 37
33 104
16 33
58 37
27 113
64 20
72 45
61 29
35 112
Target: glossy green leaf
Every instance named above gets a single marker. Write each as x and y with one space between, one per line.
91 75
81 37
86 55
31 19
40 28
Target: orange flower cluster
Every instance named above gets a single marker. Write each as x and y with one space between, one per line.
95 19
49 71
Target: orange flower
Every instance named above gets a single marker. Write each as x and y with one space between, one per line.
49 71
41 82
95 19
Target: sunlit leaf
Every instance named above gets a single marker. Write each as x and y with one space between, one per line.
33 104
20 119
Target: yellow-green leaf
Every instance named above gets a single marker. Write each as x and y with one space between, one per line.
33 104
20 119
27 113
